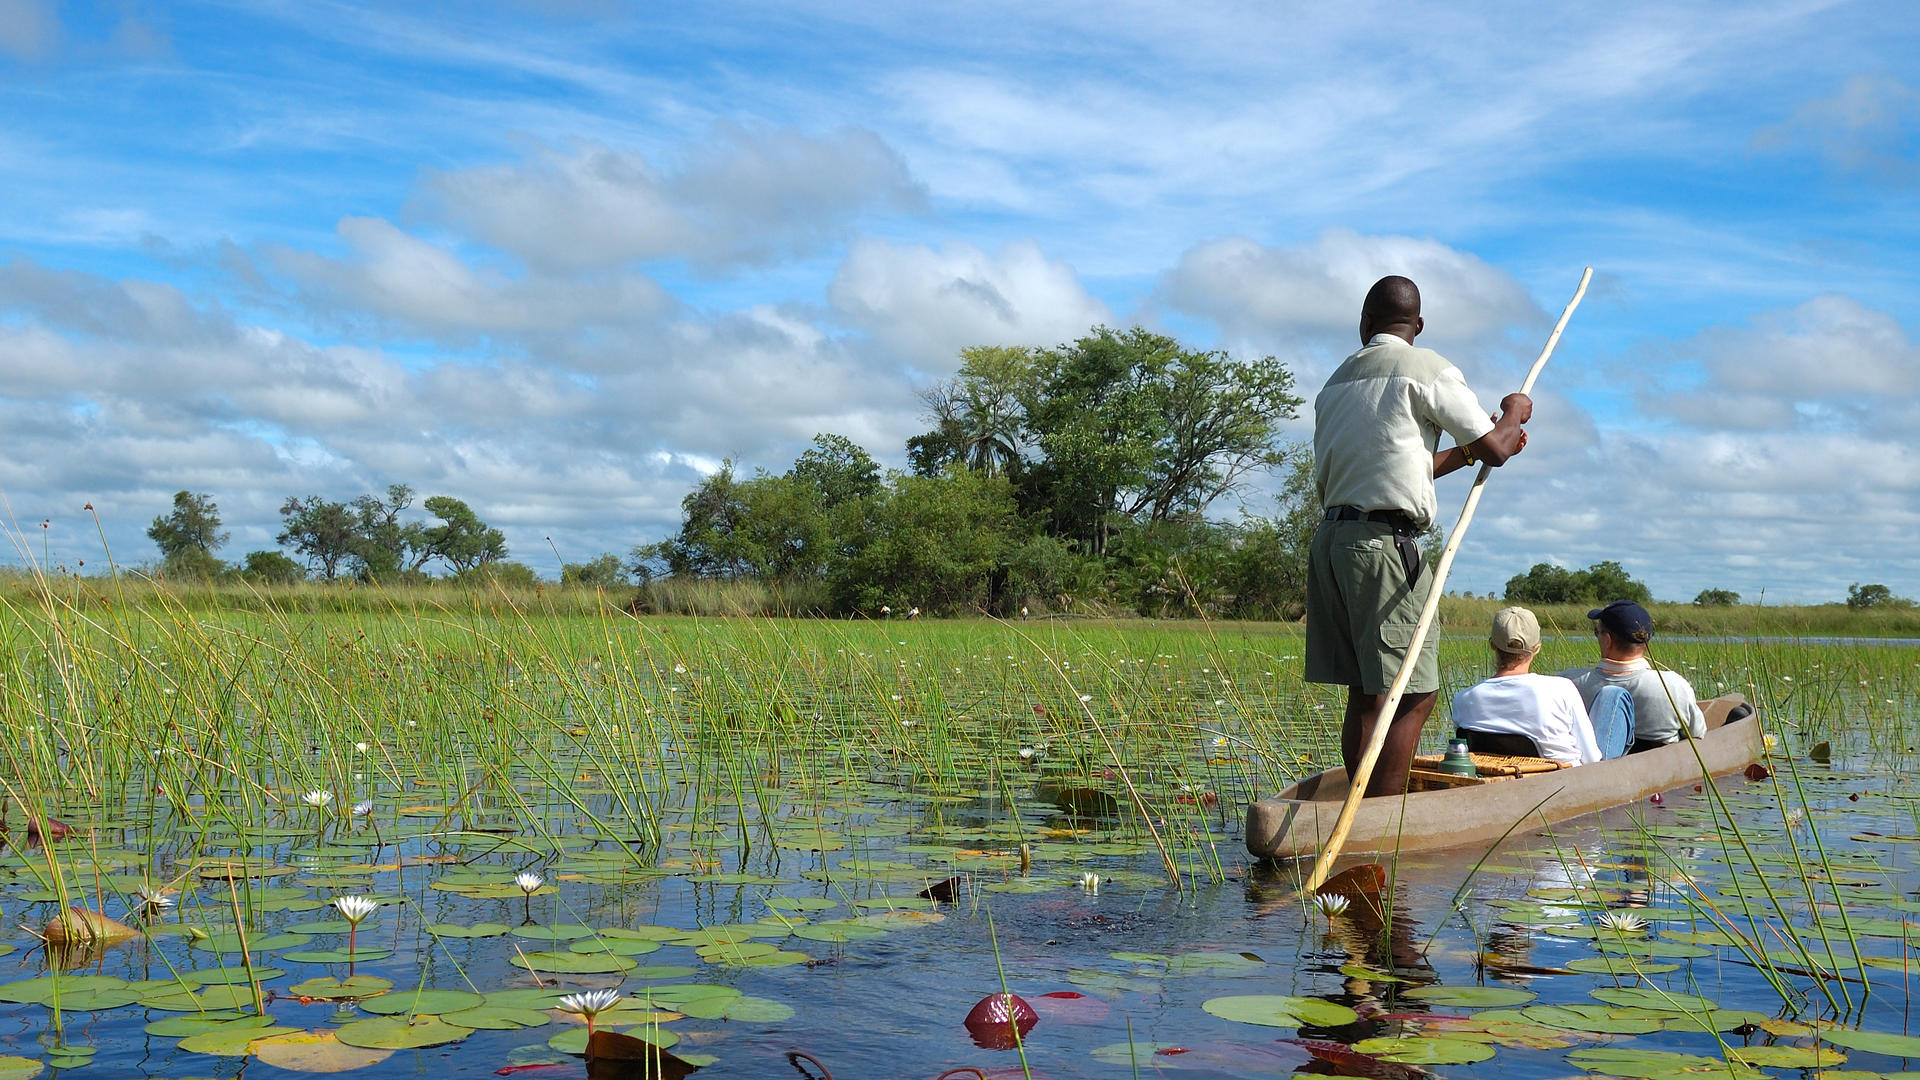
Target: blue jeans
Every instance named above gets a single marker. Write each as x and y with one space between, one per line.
1612 716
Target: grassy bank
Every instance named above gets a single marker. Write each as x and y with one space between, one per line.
741 599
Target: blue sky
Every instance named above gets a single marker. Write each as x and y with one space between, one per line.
559 258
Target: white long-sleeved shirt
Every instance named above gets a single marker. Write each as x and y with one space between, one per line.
1544 708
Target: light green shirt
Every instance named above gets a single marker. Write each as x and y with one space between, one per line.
1377 424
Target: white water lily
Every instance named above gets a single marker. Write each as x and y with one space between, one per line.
360 747
363 808
317 799
1332 905
1622 922
527 881
590 1003
153 901
355 909
1091 883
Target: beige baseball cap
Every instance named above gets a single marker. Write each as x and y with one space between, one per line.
1515 631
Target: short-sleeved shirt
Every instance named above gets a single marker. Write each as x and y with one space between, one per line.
1655 693
1377 424
1544 708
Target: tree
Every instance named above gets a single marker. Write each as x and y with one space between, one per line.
1547 584
382 544
604 571
978 415
1609 581
270 568
838 468
1601 583
940 543
1863 597
188 535
770 527
1716 598
461 540
1132 425
324 533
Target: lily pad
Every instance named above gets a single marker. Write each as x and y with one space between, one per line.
1873 1042
18 1068
477 930
573 963
1597 1019
231 1041
331 989
436 1002
490 1017
316 1052
1280 1010
1788 1057
1414 1050
399 1033
1646 997
1468 997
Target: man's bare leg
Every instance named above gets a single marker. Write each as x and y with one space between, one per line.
1403 737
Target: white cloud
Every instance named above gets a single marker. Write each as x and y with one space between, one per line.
423 286
927 304
747 196
1304 300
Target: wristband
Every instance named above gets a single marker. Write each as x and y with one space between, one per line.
1468 454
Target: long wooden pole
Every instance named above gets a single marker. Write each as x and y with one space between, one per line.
1357 789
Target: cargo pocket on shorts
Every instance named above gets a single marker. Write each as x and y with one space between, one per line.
1396 636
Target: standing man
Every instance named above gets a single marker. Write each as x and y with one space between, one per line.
1376 434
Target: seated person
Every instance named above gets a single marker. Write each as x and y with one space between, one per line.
1517 711
1664 709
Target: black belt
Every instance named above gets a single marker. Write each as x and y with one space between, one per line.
1406 535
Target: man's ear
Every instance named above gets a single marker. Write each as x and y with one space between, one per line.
1419 325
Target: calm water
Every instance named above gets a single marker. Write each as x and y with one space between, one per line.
802 932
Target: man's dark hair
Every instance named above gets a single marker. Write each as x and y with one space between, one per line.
1392 299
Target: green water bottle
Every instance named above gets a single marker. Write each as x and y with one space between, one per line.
1458 762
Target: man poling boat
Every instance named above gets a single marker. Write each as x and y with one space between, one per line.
1376 435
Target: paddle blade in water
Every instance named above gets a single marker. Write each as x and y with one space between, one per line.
993 1021
946 892
613 1056
78 926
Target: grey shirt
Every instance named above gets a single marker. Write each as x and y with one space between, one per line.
1654 719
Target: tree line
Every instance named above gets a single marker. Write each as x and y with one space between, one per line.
1078 477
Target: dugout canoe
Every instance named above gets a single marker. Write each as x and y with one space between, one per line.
1295 823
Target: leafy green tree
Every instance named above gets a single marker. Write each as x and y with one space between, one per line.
1548 584
1865 597
271 568
978 415
838 468
1131 425
604 571
461 539
1609 581
1601 583
383 543
1716 598
188 535
322 532
939 543
769 527
502 573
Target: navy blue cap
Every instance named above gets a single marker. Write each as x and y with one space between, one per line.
1625 620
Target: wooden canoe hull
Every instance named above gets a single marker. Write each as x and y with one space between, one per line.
1296 822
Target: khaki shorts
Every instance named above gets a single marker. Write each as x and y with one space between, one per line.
1360 613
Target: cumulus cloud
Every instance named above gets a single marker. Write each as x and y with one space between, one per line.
1315 288
927 304
416 284
1870 125
1829 363
592 437
746 197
